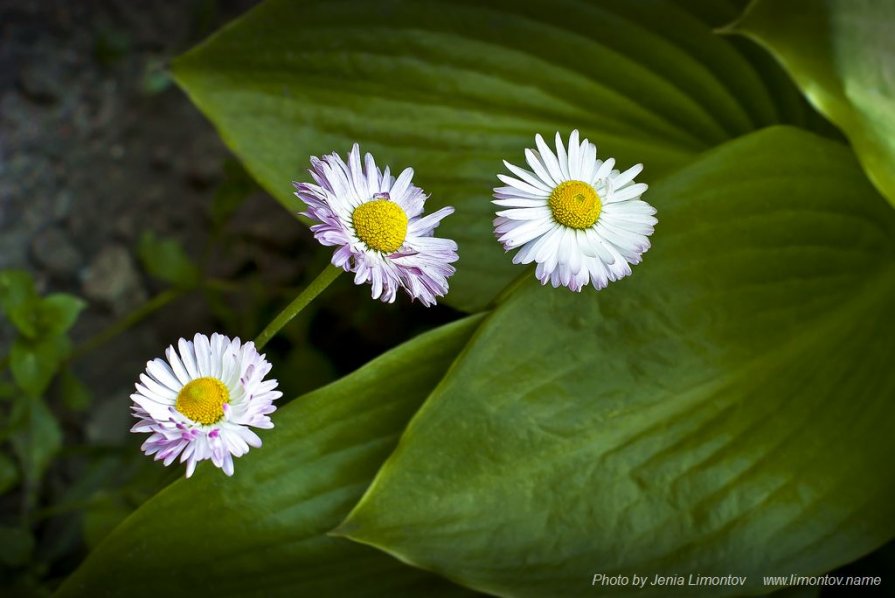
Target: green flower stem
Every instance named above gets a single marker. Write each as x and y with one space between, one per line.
130 320
317 286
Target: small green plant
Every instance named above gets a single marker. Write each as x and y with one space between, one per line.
37 356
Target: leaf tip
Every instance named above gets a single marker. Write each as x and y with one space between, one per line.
346 530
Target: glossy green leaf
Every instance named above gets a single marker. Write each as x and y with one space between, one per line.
167 260
9 474
726 410
263 531
75 394
452 87
49 316
37 438
16 288
19 300
34 363
103 516
32 315
58 313
840 53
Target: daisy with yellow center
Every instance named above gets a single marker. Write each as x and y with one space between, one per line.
201 402
578 218
377 225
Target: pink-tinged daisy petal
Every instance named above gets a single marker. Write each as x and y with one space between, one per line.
375 232
589 224
213 380
373 174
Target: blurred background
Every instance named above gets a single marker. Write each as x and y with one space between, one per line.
114 189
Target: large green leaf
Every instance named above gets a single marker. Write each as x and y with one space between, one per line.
452 87
840 52
726 410
263 532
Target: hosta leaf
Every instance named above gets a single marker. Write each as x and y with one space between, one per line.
452 87
840 52
726 410
263 532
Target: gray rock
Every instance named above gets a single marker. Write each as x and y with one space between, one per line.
112 279
40 84
52 249
110 419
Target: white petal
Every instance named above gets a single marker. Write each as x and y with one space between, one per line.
358 182
538 213
629 192
372 174
574 157
535 162
562 158
520 202
401 185
588 159
177 365
526 231
604 170
599 248
188 356
203 354
528 177
549 159
162 372
627 176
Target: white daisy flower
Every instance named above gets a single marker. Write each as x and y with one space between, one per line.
377 224
200 403
577 217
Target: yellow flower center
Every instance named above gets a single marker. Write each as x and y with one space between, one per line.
381 224
202 400
575 204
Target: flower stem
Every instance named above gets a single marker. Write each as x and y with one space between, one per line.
128 321
317 286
